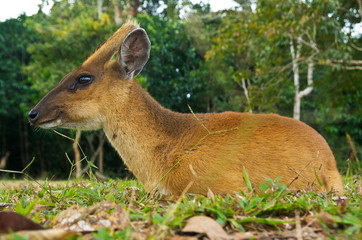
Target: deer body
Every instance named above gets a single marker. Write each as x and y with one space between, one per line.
209 151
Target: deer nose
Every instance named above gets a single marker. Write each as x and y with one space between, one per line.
33 115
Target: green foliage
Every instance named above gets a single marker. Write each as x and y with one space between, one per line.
200 59
339 112
247 180
107 234
24 207
14 88
66 39
168 76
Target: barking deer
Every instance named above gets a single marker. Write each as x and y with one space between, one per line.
204 151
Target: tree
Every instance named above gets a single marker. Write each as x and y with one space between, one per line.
316 38
282 40
14 88
282 36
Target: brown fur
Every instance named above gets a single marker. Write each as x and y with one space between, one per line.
151 139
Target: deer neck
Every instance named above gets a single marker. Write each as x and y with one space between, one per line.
138 129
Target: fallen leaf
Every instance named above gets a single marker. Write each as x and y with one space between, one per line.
16 222
47 234
326 218
243 236
205 225
178 237
307 233
102 215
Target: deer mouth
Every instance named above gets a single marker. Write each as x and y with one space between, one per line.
52 123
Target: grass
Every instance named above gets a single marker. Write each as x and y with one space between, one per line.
275 212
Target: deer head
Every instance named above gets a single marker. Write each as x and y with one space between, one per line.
80 99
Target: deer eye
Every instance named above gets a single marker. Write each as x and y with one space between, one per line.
84 79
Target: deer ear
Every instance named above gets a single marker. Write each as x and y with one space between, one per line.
134 52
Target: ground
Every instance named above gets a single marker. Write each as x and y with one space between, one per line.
121 209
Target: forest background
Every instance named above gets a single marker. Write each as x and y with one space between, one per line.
301 59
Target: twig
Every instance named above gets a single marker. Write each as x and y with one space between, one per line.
360 7
298 174
311 45
348 64
198 119
298 226
355 47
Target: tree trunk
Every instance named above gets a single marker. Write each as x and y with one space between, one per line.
3 160
40 151
26 142
243 84
21 143
133 7
309 88
298 95
101 153
99 8
117 13
78 166
96 153
295 57
3 135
